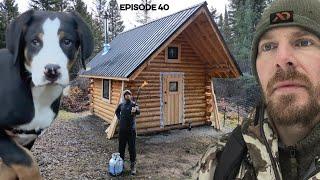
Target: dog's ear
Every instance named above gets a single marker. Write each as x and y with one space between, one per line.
86 38
14 34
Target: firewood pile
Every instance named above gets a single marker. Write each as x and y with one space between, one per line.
77 99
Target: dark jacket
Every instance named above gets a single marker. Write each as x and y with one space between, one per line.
262 157
127 120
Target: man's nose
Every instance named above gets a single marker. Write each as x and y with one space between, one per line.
285 56
51 72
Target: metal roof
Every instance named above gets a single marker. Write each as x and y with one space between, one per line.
131 48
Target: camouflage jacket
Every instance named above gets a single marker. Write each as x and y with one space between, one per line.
262 158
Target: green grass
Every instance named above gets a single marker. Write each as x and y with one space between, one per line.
64 115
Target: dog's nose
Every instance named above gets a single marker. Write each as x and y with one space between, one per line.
51 72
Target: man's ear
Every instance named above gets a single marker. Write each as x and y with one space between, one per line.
86 38
14 34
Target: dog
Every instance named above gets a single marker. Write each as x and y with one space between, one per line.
41 48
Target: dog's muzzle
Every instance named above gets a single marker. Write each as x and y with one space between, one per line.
51 72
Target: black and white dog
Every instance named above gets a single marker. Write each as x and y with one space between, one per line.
34 70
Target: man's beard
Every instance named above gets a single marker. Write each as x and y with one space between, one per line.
284 110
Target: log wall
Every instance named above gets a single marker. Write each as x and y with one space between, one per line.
99 105
197 100
197 97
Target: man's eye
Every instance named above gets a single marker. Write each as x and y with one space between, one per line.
35 42
303 43
268 47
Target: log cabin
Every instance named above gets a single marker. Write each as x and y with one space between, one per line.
176 58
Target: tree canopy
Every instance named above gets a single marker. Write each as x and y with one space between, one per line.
8 12
237 25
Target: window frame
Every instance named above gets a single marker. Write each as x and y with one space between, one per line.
177 86
179 53
102 95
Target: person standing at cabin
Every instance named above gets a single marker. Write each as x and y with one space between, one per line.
126 113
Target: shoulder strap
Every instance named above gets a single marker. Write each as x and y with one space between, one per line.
230 160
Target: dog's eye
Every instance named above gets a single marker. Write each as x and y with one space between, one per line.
35 42
67 42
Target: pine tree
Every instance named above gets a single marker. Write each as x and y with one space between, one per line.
240 31
144 16
8 12
226 28
239 22
2 29
80 7
234 14
258 7
243 17
99 20
45 5
11 10
61 5
220 24
214 15
115 24
101 6
244 34
218 19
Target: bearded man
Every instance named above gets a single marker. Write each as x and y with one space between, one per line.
282 139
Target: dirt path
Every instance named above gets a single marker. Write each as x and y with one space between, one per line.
75 147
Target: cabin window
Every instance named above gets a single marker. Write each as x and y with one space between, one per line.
106 89
173 53
173 86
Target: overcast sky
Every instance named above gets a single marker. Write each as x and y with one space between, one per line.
129 17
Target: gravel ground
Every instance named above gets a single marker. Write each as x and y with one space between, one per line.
75 147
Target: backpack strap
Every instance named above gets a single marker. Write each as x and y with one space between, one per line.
233 153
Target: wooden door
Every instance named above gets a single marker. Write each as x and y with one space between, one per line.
173 99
